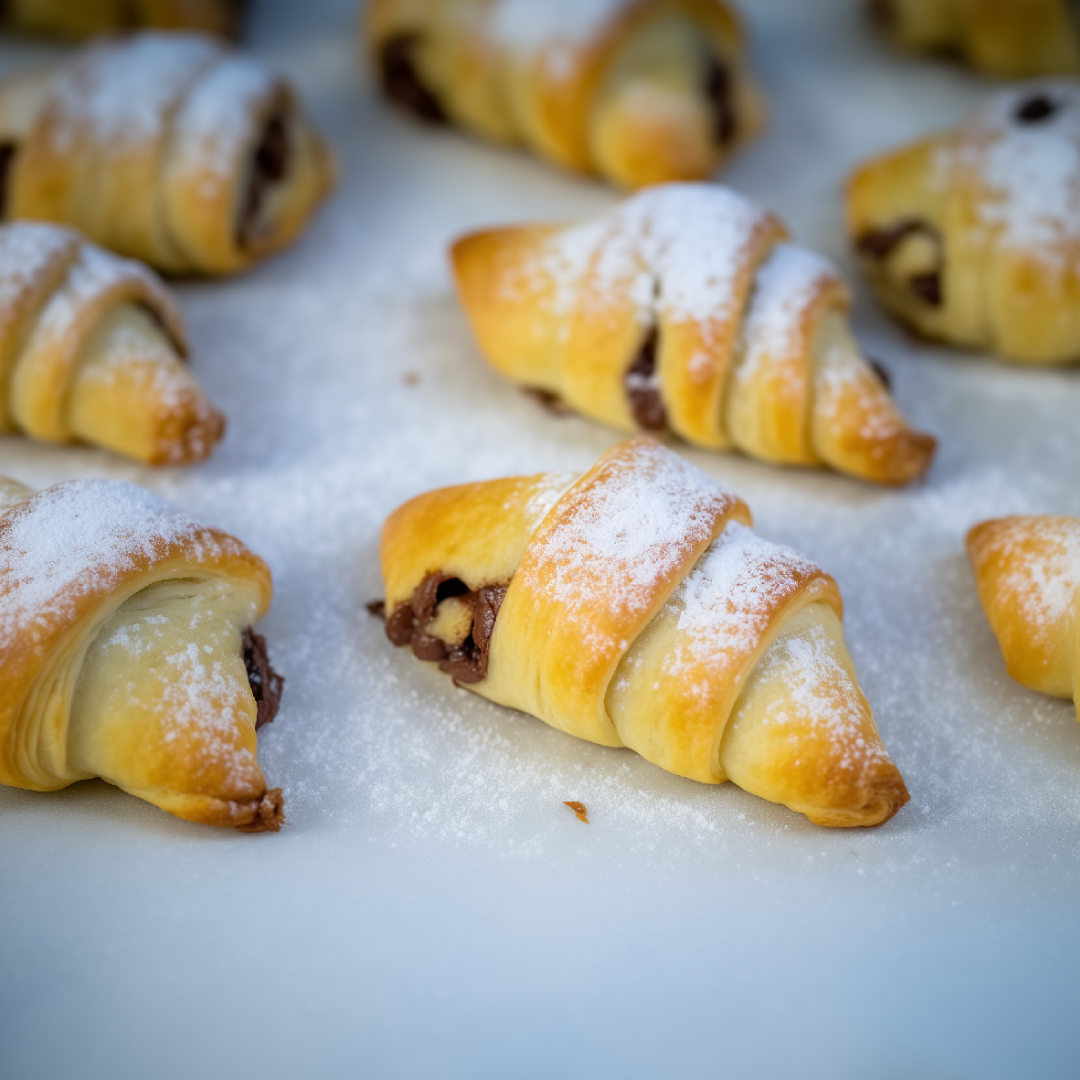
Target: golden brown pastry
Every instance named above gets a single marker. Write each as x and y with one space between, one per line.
636 91
1011 38
126 652
685 308
92 350
84 18
634 606
973 235
165 147
1028 574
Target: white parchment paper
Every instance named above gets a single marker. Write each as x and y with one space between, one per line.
432 908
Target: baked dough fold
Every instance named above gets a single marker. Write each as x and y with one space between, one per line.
635 606
166 147
686 308
92 349
123 632
637 91
1027 569
972 235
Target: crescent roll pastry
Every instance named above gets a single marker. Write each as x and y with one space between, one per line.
1010 38
1028 574
165 147
92 349
973 236
636 91
634 606
686 308
126 652
84 18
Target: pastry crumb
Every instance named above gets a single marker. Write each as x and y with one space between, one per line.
411 378
579 811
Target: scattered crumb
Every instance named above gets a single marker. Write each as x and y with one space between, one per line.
551 402
579 811
412 378
377 608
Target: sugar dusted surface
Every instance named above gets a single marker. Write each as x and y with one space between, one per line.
432 906
614 543
1031 171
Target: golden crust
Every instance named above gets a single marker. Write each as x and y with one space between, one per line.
987 212
71 558
150 144
749 335
1027 570
642 611
583 100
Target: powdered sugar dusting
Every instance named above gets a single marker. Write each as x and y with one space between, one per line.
1048 586
786 285
1030 171
26 250
820 693
124 92
214 125
683 249
615 541
79 538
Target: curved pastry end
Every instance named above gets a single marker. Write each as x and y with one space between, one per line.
268 814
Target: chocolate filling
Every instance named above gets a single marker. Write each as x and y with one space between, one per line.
7 159
718 92
1035 109
269 166
266 684
643 388
879 244
467 662
401 81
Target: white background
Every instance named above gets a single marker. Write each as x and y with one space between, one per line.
432 909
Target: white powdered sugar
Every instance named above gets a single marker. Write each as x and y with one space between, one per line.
819 692
729 599
125 92
680 249
1047 586
785 286
79 538
615 540
214 124
1030 170
26 250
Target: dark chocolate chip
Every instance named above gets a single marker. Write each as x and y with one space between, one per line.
646 404
718 92
266 684
880 243
401 81
927 287
7 159
269 166
1035 109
